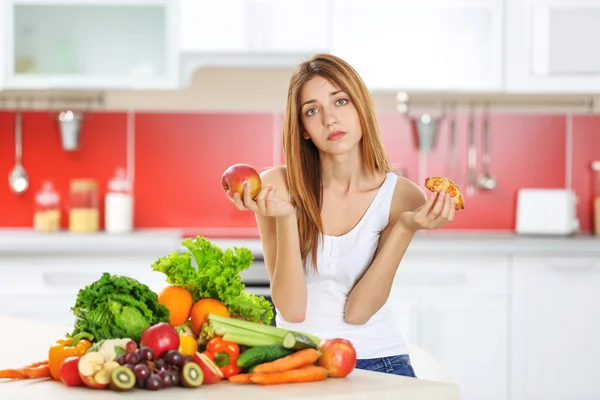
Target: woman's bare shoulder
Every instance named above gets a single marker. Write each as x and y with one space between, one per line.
408 196
276 176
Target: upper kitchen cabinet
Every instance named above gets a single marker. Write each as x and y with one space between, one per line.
263 33
428 45
551 46
91 44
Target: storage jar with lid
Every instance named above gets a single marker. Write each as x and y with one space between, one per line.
46 217
118 202
83 211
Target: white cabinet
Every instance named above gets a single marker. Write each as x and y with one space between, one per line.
456 308
45 287
555 328
82 44
551 46
450 45
254 26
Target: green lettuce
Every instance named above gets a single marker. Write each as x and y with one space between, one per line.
117 307
216 274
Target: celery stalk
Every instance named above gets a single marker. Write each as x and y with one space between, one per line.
218 323
251 340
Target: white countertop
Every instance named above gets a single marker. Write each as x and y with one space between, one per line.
23 342
14 241
163 241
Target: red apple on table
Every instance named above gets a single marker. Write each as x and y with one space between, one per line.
338 357
235 177
212 373
94 370
69 372
161 338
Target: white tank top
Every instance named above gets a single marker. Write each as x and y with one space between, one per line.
341 262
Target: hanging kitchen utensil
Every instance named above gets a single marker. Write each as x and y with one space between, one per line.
472 155
69 123
486 181
425 130
452 158
18 179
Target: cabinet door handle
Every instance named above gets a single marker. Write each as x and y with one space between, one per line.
69 279
570 266
434 280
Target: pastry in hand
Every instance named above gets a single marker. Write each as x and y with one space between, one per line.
439 183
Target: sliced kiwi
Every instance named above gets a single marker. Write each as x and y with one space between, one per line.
122 378
191 375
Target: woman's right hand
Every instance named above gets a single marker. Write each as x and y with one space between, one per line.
266 202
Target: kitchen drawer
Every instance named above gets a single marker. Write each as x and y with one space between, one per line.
453 274
67 275
52 309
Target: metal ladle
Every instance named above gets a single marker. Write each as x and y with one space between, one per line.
17 179
486 181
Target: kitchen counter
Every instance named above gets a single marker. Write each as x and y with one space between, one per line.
475 243
15 242
358 385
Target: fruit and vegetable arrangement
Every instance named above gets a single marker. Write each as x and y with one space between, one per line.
201 329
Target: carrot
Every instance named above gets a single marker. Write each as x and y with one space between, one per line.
38 369
240 378
307 373
12 374
294 360
41 371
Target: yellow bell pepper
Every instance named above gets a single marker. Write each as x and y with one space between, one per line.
187 345
69 347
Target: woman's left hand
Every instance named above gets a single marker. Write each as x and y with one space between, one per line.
435 213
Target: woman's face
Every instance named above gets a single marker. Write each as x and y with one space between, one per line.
328 116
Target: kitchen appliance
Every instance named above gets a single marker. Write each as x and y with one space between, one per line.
546 212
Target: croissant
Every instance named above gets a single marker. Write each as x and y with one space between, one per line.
439 183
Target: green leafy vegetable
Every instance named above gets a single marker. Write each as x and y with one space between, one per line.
216 274
117 307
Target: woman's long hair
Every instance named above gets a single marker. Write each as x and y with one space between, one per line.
302 156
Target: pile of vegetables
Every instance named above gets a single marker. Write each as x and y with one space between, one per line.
207 271
201 329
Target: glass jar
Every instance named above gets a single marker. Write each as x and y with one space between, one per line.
118 203
596 195
83 211
46 217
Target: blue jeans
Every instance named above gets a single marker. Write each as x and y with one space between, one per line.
397 365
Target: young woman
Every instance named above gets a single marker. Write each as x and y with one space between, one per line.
335 221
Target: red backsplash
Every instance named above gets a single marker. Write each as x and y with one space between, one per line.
179 158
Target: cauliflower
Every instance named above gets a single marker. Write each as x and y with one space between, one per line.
110 348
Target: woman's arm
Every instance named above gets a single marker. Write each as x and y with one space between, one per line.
281 252
409 207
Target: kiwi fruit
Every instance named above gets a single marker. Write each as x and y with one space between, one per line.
122 378
191 375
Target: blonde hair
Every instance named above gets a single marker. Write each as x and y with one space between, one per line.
302 156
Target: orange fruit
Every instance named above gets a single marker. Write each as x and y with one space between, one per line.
202 308
179 302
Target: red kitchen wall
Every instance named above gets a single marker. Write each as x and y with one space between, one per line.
178 159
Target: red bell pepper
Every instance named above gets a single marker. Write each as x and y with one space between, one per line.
224 354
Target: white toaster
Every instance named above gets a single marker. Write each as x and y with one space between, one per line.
546 212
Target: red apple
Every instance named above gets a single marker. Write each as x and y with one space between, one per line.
235 177
212 373
161 338
69 372
338 357
94 370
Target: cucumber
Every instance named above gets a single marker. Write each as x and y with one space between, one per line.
298 341
262 354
